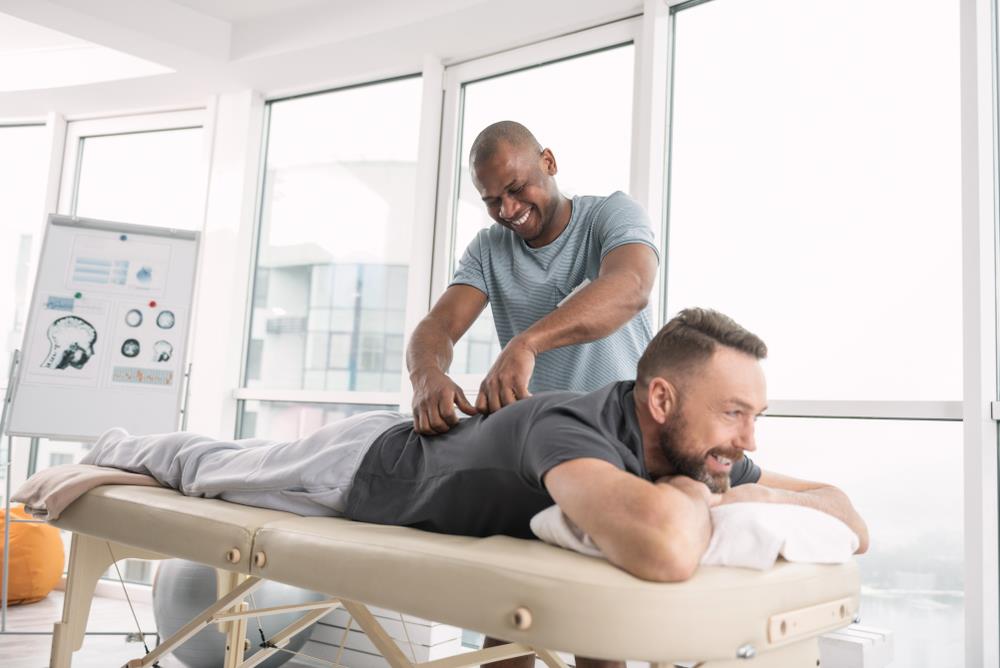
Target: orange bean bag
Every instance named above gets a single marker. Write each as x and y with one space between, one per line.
36 558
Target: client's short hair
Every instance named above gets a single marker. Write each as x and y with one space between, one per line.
689 339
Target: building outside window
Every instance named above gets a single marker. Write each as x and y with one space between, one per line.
330 285
814 196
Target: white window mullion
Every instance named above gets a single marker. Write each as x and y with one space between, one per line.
423 239
447 185
978 90
55 124
234 131
648 174
875 410
317 396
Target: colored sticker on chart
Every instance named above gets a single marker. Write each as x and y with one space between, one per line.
135 375
59 303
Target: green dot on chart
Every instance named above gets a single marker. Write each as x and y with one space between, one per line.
78 295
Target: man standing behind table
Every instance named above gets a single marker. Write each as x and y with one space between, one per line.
568 281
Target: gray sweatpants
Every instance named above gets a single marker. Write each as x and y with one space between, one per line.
310 476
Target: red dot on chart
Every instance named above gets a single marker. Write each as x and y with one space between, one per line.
152 304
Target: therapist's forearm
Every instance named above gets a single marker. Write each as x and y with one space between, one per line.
596 311
430 348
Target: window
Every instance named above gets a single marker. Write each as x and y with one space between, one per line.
815 196
337 206
144 169
912 575
60 458
281 420
815 193
589 134
150 178
23 171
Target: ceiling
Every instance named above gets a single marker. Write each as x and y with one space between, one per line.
237 11
33 57
19 36
82 57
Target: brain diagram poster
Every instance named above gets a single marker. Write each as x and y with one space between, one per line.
109 321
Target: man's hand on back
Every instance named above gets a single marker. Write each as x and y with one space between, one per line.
507 380
435 396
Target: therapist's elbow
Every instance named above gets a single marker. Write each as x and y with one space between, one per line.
636 297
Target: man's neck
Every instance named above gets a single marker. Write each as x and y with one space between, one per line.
560 220
656 464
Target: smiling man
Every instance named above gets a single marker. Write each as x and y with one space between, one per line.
637 465
568 281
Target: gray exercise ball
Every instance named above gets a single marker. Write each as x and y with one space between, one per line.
183 589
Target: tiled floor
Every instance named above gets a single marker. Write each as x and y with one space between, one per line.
22 651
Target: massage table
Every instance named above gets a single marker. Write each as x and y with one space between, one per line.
540 598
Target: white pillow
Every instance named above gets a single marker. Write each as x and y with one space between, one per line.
748 535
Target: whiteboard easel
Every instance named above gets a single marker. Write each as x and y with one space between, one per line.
107 331
105 342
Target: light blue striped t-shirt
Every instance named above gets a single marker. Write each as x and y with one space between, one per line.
524 284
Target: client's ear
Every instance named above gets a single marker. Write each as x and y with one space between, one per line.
661 399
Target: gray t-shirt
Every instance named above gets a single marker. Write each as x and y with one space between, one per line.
525 284
484 476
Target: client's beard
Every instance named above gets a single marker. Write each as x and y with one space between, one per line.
684 463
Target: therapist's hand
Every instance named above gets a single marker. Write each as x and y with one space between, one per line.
508 379
435 396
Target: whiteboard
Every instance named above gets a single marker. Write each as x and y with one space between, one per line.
107 331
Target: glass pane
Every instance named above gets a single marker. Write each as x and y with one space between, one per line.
287 420
905 478
335 238
149 178
582 110
815 190
23 168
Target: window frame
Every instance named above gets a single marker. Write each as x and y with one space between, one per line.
979 409
79 130
980 87
786 406
456 76
422 227
55 130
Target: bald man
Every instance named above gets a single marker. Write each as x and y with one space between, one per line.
568 281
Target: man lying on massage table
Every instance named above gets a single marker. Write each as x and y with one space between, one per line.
636 465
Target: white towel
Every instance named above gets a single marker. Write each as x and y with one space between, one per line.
47 493
748 535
